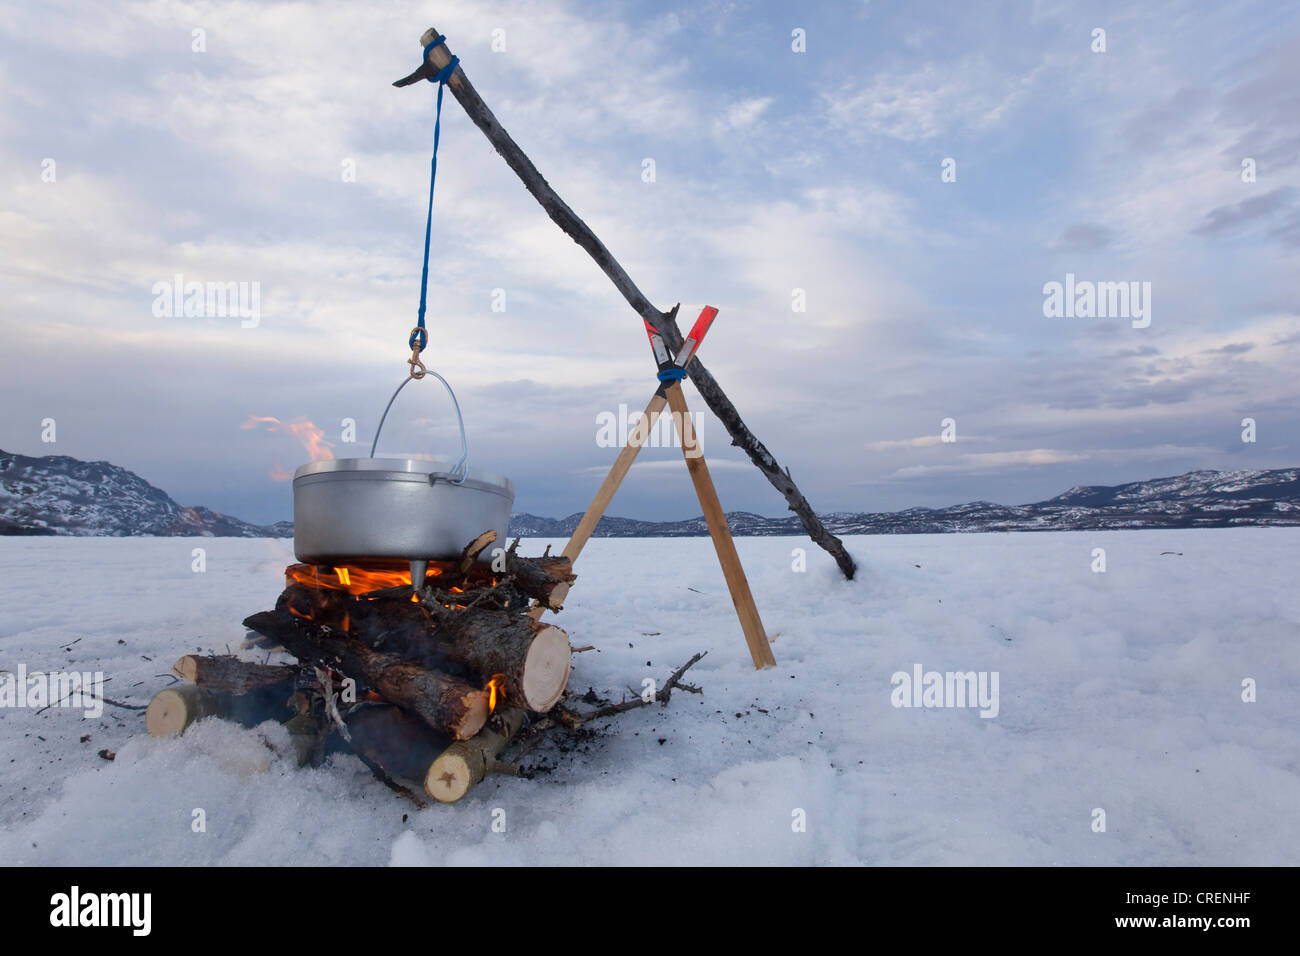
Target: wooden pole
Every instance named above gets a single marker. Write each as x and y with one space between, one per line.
605 493
664 322
760 649
622 464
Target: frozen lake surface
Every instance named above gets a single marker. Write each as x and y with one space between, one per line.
1119 691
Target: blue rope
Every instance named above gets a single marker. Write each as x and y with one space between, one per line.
672 374
420 334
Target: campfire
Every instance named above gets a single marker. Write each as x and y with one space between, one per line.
426 681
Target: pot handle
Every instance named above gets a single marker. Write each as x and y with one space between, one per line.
461 468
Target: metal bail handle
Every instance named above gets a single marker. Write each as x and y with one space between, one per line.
461 468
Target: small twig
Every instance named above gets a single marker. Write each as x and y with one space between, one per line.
579 650
661 696
567 718
109 700
529 737
70 693
382 775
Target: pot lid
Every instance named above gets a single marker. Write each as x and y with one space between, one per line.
415 467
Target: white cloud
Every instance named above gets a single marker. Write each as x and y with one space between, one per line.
994 461
931 101
924 441
741 115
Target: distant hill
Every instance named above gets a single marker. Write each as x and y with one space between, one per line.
58 495
55 494
1198 499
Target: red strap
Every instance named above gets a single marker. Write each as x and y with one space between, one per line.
701 326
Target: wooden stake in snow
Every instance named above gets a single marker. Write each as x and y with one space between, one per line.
760 649
664 322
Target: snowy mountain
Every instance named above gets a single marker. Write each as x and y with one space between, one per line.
1198 499
59 495
55 494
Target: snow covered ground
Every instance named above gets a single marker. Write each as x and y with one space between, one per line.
1120 691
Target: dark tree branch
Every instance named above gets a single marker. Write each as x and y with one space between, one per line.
665 323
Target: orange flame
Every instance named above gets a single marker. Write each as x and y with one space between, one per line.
496 687
351 580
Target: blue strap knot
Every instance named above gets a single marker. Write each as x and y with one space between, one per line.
673 373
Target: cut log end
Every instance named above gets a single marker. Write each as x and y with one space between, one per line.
175 708
474 716
555 600
546 669
450 776
466 762
187 668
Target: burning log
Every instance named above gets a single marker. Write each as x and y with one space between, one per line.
443 702
532 658
466 762
546 580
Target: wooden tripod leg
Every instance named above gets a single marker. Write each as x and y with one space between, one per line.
759 647
605 494
617 473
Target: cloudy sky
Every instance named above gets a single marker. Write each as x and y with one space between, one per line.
277 153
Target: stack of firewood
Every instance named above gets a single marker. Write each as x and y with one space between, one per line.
425 681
